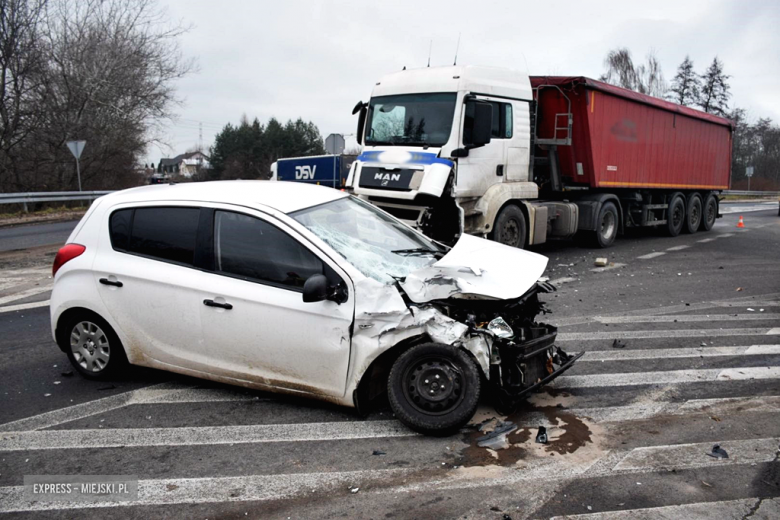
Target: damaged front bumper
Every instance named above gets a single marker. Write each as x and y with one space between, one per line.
518 368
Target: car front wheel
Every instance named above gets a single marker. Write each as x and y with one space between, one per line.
434 389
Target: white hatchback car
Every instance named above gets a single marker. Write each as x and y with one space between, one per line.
301 289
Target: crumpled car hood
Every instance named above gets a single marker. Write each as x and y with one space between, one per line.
478 269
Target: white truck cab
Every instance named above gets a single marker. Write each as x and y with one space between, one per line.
446 148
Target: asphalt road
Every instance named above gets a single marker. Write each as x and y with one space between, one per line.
34 235
630 427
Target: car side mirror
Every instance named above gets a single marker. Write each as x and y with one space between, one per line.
315 289
478 124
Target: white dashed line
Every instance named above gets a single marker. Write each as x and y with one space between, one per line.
651 255
678 248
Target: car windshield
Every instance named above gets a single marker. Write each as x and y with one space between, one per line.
411 119
378 245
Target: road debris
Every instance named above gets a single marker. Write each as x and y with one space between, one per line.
67 373
618 344
739 289
354 490
378 452
541 437
601 262
718 452
496 440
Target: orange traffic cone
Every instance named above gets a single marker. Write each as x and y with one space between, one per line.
740 223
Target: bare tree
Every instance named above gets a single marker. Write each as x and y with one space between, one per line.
107 77
646 78
686 85
22 63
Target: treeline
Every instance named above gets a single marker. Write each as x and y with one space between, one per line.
755 142
246 151
102 71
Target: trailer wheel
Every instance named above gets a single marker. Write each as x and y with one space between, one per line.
675 216
607 225
710 212
509 228
693 214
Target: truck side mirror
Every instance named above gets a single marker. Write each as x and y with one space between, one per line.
481 123
362 109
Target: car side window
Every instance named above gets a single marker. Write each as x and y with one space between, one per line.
167 233
252 249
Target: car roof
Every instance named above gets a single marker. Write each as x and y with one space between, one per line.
285 197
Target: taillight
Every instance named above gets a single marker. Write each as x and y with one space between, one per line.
66 253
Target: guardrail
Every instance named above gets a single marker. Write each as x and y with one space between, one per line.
49 196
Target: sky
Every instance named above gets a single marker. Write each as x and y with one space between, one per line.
315 60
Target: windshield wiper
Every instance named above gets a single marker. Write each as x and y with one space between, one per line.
417 251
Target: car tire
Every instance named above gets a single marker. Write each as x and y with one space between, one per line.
675 215
92 346
510 228
434 389
709 212
693 214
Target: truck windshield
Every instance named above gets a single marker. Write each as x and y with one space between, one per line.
378 245
411 119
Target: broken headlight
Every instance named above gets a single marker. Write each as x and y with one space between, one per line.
500 328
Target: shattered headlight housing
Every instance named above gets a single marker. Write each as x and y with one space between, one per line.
500 328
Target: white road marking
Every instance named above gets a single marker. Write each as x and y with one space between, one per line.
693 455
704 241
25 294
649 334
647 410
24 306
687 318
651 255
724 510
678 248
216 489
666 353
79 411
666 377
725 235
192 436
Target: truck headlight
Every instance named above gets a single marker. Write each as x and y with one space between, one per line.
500 328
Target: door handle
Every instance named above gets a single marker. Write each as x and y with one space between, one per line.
500 170
212 303
106 281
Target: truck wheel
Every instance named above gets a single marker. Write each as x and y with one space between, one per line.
509 228
675 216
607 225
709 212
434 389
693 214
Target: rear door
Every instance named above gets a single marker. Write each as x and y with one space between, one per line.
261 330
146 277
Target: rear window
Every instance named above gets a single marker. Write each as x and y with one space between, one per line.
166 234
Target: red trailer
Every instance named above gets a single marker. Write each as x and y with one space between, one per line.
657 163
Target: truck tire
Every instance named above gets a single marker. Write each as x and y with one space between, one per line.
709 212
606 229
675 215
510 228
434 388
693 214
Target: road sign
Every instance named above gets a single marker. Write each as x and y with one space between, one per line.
334 144
749 171
76 147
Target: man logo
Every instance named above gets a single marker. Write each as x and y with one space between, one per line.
384 177
305 172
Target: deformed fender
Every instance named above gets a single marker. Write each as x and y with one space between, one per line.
383 320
